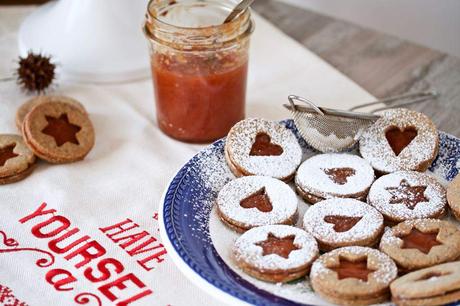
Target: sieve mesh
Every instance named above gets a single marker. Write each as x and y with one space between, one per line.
328 133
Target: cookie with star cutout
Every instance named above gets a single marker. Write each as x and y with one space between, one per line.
25 108
252 201
343 222
417 244
17 161
353 276
262 147
275 253
332 175
407 195
436 285
58 132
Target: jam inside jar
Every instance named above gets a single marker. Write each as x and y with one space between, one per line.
199 66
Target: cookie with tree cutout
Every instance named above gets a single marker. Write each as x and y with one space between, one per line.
332 175
339 222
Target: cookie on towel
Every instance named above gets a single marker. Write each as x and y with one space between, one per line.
25 108
16 160
58 132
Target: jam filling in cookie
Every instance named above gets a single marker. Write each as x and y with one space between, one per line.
16 160
436 285
339 175
275 253
279 246
343 222
254 201
262 147
61 130
406 195
7 153
420 240
401 139
334 175
416 244
259 200
353 276
352 269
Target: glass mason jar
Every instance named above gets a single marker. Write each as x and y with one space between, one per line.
199 66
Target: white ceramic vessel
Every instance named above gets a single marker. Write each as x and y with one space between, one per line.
91 40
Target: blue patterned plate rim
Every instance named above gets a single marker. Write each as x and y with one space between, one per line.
195 255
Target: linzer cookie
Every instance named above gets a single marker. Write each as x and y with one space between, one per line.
262 147
453 196
421 243
58 132
25 108
334 175
353 276
407 195
401 139
253 201
275 253
437 285
16 160
343 222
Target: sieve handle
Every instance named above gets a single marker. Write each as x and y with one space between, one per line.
417 97
313 108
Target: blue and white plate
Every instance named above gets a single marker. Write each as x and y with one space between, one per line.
187 208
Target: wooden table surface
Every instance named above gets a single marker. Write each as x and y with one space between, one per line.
381 64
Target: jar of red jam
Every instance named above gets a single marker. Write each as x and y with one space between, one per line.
199 66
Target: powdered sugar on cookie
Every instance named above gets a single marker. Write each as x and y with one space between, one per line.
394 187
384 268
369 226
282 199
417 155
242 137
314 176
247 250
